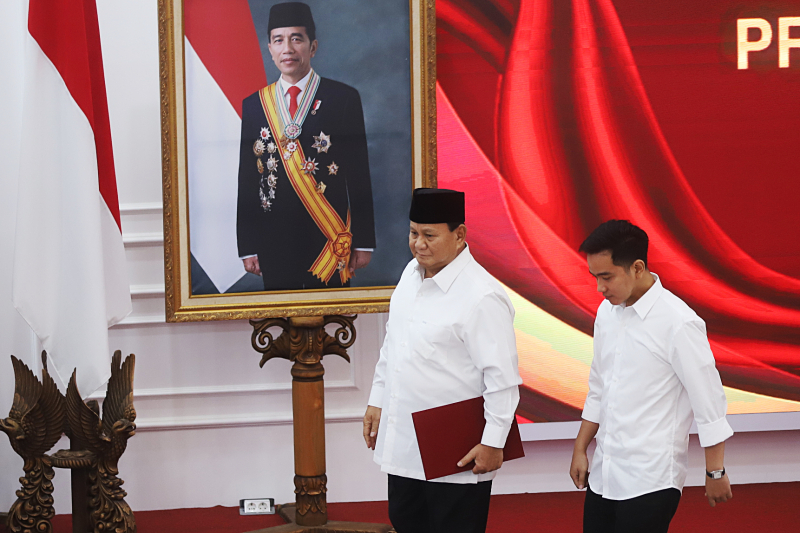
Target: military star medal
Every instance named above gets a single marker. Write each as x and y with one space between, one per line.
291 146
265 134
258 147
333 168
310 166
322 143
272 164
271 147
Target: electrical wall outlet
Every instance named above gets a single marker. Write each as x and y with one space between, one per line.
257 506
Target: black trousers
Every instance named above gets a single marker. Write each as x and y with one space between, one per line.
426 507
649 513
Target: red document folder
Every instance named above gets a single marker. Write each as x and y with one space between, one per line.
446 434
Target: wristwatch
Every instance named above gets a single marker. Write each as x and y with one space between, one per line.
716 474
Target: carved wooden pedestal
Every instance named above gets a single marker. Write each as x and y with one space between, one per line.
305 341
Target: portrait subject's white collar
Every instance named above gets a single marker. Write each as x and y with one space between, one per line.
302 84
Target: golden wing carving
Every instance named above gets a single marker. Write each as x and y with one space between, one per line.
53 406
26 391
85 424
118 404
36 420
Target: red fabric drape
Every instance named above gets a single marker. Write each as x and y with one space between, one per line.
576 142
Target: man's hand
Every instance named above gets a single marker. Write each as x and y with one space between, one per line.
718 490
359 259
579 469
251 265
487 459
372 419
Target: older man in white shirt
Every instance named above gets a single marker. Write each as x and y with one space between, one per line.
652 374
450 337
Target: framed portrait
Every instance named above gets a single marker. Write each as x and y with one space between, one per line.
292 137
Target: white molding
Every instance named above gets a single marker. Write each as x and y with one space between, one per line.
224 390
143 208
141 291
216 422
142 320
143 238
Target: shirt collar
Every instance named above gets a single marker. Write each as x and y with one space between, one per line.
648 299
302 84
446 276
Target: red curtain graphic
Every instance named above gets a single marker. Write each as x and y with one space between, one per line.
549 125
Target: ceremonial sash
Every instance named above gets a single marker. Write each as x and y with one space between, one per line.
336 253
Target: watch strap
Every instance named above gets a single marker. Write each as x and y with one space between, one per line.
716 474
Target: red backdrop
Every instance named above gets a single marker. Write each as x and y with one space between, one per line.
556 115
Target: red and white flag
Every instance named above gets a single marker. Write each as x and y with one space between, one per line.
70 281
223 67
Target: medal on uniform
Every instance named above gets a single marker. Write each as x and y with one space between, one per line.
258 147
310 166
292 131
322 142
316 106
271 147
333 168
321 187
293 126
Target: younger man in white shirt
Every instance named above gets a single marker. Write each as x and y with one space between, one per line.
652 373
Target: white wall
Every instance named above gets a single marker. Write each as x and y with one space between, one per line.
213 427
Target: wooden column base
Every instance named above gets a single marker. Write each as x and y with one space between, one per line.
288 512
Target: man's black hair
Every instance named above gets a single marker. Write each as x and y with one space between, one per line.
452 226
626 242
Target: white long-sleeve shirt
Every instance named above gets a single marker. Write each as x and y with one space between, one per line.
449 338
652 372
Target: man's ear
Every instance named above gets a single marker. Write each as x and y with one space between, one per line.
639 268
461 232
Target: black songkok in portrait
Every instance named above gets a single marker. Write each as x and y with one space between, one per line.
290 14
437 206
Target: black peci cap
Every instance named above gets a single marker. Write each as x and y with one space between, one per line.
290 14
437 206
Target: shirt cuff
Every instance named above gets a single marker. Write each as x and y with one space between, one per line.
247 256
714 432
376 397
495 436
364 249
591 413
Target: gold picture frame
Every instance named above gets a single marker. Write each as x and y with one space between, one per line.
184 306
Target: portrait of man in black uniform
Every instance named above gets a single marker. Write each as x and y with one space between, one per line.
305 208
